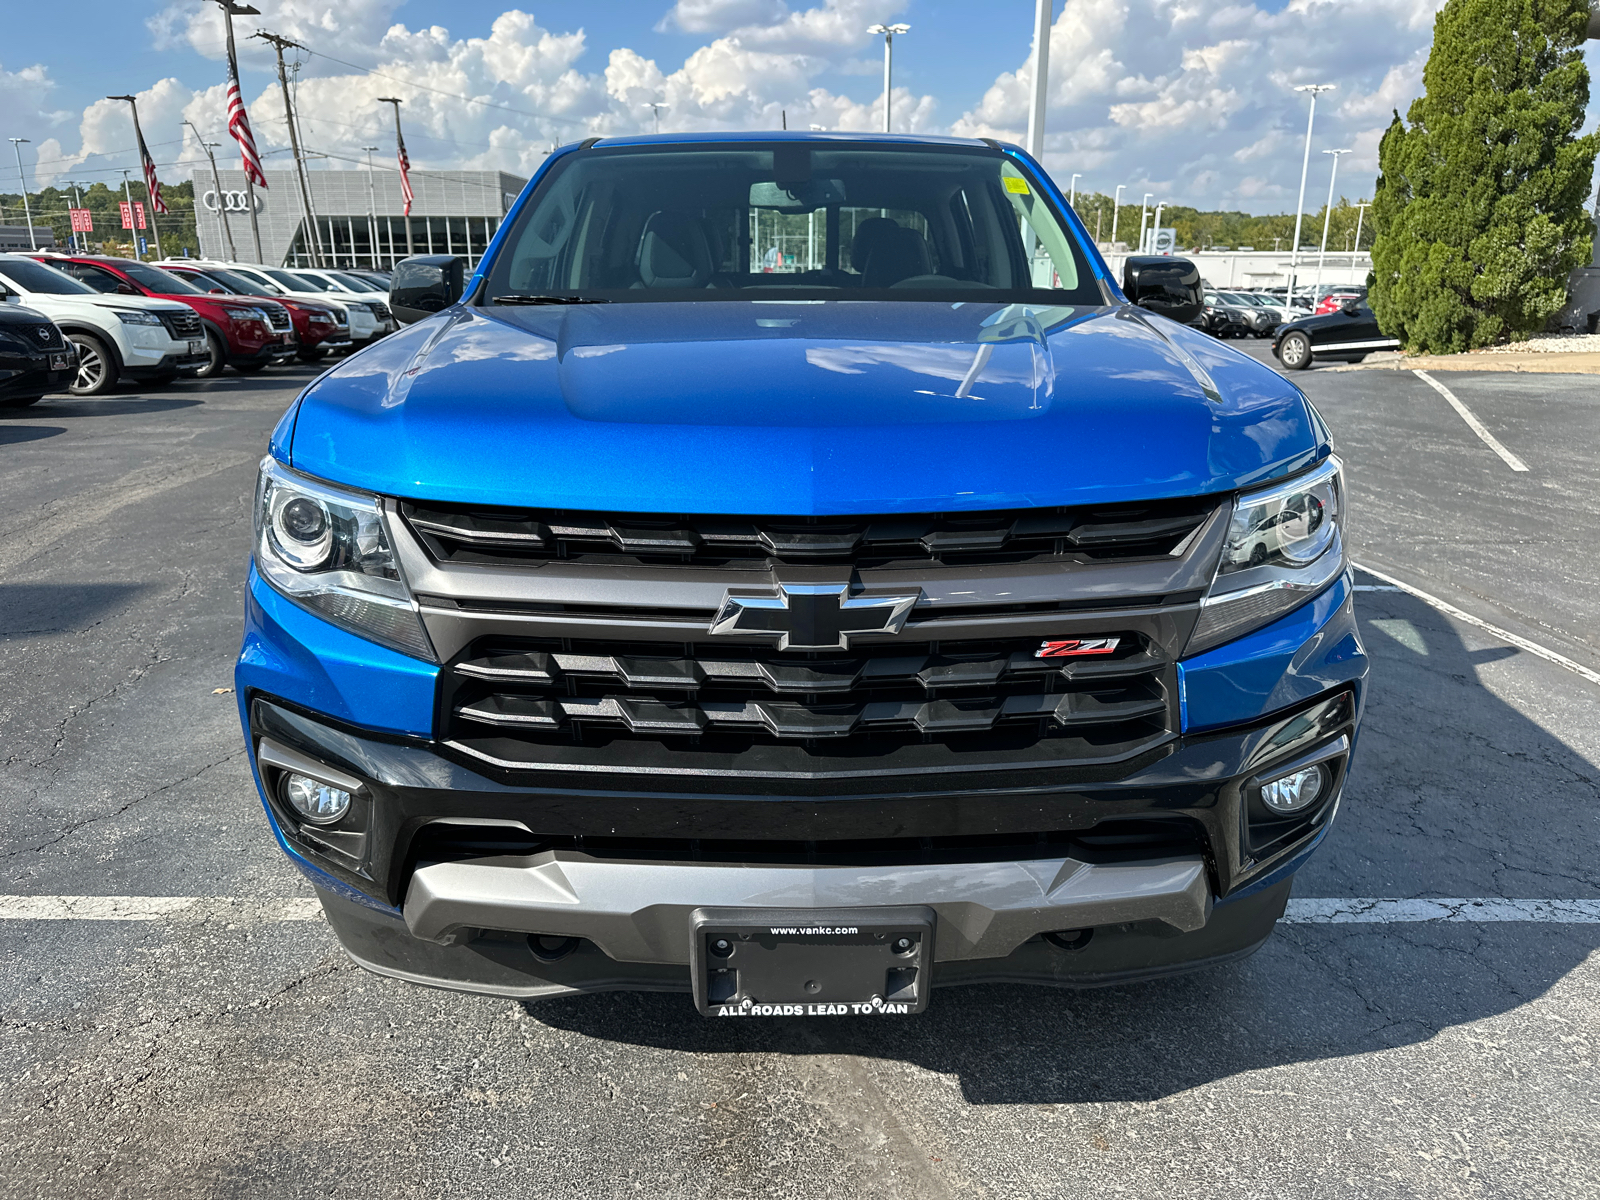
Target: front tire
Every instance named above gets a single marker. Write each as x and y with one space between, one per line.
97 370
218 360
1294 352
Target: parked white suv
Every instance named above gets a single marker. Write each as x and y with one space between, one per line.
342 283
365 322
117 336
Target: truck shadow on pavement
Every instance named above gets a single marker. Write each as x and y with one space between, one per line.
36 609
13 435
1455 793
61 407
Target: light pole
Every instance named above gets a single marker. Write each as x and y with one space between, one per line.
888 32
216 183
16 144
372 207
1361 213
1144 215
1116 210
1041 77
1315 89
1327 215
133 232
1073 199
1155 234
79 243
655 108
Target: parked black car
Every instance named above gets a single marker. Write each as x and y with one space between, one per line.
1348 335
1223 319
35 358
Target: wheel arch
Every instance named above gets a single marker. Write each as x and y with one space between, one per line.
70 326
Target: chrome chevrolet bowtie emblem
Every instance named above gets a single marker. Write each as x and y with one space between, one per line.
812 616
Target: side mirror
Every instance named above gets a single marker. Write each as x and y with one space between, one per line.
217 291
1350 308
426 285
1168 286
127 289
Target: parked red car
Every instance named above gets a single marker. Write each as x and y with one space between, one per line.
246 336
1334 301
320 327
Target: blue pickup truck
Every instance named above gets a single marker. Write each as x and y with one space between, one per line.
788 570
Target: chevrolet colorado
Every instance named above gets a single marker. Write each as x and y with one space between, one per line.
790 571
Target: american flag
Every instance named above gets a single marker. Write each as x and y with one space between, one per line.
157 204
405 172
239 127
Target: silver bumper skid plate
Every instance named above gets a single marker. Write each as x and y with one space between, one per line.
643 911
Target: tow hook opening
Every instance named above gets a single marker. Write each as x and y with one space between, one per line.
1070 939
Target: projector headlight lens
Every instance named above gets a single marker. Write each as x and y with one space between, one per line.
328 550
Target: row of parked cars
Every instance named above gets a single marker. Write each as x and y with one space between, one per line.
82 323
1335 324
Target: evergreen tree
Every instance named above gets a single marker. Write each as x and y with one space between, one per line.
1480 207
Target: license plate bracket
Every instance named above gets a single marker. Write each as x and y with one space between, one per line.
763 962
59 362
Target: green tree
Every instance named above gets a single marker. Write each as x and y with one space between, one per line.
1480 206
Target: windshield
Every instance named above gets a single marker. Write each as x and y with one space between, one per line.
792 221
293 283
316 280
354 283
230 280
28 276
158 280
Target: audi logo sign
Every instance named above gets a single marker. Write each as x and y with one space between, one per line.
232 201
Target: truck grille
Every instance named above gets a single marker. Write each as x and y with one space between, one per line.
43 336
505 699
181 325
508 537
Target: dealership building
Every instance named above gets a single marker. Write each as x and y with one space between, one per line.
356 216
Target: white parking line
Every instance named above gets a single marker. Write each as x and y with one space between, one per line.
1373 911
1489 440
1522 643
1353 911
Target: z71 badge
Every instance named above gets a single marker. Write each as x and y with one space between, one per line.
1076 647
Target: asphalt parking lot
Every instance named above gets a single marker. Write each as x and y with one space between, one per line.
229 1048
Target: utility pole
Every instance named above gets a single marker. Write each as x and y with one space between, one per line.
1361 213
216 183
1116 211
399 141
17 144
655 108
147 166
372 208
1327 216
888 32
1041 77
229 11
133 230
313 234
1316 89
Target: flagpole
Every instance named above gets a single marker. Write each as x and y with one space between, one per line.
400 149
244 10
144 157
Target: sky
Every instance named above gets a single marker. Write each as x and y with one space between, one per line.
1192 101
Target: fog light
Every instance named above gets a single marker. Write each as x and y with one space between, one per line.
1296 792
316 802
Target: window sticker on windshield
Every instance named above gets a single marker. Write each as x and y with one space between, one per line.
1017 186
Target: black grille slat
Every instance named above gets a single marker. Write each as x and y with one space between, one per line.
577 692
510 537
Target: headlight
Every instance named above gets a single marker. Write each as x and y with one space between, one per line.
1283 547
132 317
248 314
328 551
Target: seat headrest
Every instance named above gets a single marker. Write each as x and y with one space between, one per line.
869 234
901 254
674 252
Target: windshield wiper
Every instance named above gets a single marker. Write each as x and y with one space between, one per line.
518 299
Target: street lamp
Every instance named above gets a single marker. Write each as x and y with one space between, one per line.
655 108
1073 199
1039 101
372 207
1361 213
216 183
1116 211
17 144
1315 89
1144 215
1327 215
888 32
1155 234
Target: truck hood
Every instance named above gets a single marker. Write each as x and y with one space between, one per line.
819 408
